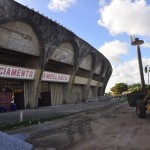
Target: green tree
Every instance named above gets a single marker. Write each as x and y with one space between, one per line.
135 87
147 86
119 88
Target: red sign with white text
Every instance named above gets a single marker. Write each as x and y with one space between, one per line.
16 72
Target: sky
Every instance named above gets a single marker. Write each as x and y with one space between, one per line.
107 26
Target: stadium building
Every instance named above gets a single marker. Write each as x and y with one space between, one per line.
42 63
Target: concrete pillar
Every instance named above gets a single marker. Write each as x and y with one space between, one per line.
97 88
95 91
86 89
32 90
68 97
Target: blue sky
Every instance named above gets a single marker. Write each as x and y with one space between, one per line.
106 25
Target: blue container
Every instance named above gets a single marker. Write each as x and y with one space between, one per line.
3 109
13 107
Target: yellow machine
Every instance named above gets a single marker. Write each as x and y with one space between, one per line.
143 105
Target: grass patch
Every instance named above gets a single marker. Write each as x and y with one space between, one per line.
123 99
27 123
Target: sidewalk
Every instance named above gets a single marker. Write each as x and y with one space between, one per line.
50 111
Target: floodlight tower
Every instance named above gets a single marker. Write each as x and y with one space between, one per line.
136 42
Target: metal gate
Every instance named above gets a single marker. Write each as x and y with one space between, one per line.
11 90
45 97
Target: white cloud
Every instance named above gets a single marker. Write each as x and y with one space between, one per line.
127 72
126 16
146 45
60 5
113 50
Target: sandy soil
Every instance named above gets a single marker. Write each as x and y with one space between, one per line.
113 127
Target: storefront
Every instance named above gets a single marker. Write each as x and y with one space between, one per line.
12 80
52 87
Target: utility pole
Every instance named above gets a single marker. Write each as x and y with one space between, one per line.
136 42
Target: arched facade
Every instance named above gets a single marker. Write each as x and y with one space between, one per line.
19 36
64 53
46 64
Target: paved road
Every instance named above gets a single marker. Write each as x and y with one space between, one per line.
51 111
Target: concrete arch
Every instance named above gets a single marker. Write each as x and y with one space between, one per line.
99 64
94 60
86 63
107 69
102 69
98 68
37 31
76 53
108 74
37 61
64 53
72 51
34 27
19 36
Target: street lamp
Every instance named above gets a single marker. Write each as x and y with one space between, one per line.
147 70
136 42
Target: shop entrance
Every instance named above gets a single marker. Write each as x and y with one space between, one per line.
45 96
11 91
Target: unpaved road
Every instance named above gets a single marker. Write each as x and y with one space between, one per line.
113 127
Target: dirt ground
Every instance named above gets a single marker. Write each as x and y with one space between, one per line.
113 127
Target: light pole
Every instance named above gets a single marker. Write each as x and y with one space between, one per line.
147 70
136 42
